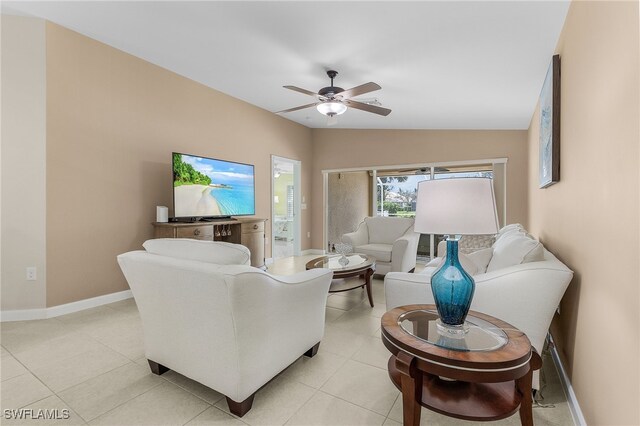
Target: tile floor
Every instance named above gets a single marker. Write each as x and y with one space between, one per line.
92 364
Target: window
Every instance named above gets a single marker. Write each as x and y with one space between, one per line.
397 190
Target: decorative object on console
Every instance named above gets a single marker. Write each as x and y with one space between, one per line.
549 166
462 206
162 214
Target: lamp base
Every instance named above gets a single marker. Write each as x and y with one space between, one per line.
452 331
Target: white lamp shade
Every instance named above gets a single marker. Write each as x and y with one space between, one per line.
458 206
331 108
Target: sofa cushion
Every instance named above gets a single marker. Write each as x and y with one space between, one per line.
481 258
511 249
471 243
217 252
381 252
467 264
535 255
385 230
514 227
429 270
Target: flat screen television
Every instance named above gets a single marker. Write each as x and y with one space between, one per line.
207 188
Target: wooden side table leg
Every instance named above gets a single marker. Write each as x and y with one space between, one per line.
411 382
526 405
367 278
524 387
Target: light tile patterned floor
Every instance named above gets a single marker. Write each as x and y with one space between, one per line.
92 364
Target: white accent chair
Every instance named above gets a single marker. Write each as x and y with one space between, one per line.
525 294
231 327
390 240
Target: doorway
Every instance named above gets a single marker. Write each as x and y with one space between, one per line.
285 207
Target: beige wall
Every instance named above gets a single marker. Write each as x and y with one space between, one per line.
335 149
590 218
112 122
349 199
23 162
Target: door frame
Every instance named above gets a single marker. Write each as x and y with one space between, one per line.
297 193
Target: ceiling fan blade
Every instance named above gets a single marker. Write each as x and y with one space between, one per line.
305 91
365 107
360 90
297 108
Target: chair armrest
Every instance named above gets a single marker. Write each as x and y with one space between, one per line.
402 288
357 238
276 319
404 252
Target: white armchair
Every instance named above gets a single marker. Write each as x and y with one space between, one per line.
230 327
390 240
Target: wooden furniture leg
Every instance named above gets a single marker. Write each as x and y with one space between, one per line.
367 278
240 408
411 381
524 387
526 404
156 368
313 351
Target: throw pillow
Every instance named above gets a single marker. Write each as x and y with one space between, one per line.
470 243
535 255
514 227
511 249
481 258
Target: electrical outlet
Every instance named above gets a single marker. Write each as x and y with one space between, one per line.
308 234
31 273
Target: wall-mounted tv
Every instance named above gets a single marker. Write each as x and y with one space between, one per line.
210 188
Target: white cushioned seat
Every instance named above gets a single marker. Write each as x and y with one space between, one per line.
390 240
382 252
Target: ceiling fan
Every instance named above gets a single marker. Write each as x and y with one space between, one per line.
333 101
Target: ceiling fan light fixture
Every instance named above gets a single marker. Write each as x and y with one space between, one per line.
331 108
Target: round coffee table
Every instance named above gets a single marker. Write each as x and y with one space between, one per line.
485 375
359 265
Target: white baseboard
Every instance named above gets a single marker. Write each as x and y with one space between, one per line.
312 251
574 406
67 308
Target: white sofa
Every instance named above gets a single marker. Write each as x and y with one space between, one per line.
522 285
209 316
390 240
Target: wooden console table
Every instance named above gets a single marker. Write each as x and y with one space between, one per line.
486 375
246 231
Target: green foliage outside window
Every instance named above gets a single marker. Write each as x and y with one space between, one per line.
185 174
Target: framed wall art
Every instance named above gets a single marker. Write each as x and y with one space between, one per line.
549 165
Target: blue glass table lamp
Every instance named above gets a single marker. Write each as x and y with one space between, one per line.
455 207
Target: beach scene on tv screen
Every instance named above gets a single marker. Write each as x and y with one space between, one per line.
208 187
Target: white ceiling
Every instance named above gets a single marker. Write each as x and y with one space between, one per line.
441 65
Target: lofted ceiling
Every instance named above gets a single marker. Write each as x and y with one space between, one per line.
441 65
